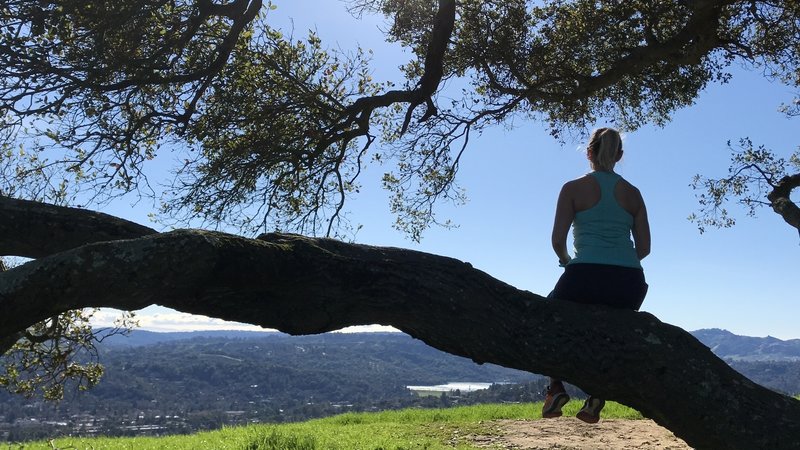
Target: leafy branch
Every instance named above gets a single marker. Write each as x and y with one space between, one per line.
53 354
756 178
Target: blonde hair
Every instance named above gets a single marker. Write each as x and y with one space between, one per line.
604 149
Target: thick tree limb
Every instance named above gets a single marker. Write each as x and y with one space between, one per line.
303 286
33 229
443 25
781 202
361 110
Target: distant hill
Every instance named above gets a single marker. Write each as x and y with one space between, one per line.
138 338
768 361
723 343
203 380
733 347
180 382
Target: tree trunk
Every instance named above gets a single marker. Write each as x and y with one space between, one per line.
301 285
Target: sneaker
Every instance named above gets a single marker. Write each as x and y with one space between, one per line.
553 402
590 413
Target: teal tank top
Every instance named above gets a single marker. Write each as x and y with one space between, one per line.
602 233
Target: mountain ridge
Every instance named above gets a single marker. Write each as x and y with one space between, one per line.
723 343
735 347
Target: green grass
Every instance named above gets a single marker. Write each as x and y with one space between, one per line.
408 429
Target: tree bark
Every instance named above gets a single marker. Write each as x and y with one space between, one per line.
781 201
33 229
302 285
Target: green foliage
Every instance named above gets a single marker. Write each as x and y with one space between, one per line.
268 130
40 364
568 57
272 132
54 353
106 80
30 175
425 175
754 172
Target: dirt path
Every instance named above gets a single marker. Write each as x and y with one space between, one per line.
568 433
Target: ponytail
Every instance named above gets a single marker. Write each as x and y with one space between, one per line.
605 149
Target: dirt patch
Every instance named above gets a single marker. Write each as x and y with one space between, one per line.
568 433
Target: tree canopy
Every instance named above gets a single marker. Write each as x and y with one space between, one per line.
271 132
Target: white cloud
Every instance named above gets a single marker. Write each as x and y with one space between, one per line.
368 329
170 320
165 320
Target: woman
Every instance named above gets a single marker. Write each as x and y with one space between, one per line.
604 210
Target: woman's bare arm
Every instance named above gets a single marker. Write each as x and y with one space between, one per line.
565 213
641 229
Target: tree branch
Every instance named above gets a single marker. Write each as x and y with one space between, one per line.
444 22
301 285
443 25
696 40
781 202
33 230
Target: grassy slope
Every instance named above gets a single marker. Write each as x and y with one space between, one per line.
429 429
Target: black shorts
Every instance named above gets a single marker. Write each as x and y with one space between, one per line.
602 284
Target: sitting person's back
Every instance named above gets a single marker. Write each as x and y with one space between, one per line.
604 211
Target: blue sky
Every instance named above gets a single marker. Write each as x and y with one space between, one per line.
741 279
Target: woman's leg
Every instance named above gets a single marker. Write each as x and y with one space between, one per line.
593 284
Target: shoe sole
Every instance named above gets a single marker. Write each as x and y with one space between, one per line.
588 417
555 410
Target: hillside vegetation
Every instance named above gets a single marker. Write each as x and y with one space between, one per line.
178 383
205 383
405 429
